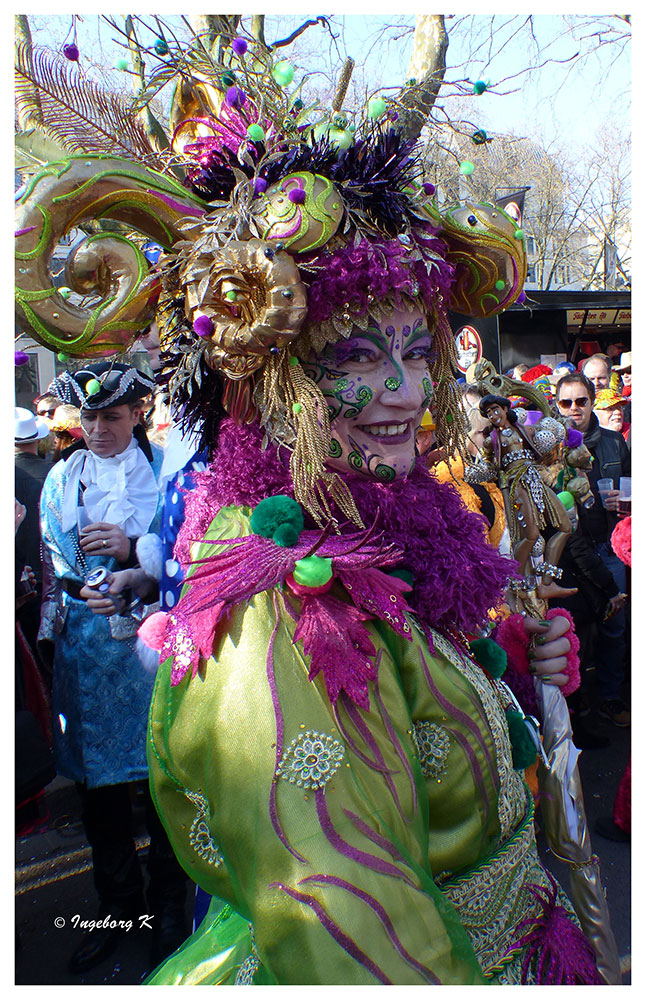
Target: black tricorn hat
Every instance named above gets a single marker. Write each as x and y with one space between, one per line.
117 384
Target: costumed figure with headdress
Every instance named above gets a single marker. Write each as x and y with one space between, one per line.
516 451
331 762
99 513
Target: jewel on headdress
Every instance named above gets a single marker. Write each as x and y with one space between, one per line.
235 97
376 107
160 47
283 73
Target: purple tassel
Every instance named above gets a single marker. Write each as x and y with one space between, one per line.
561 953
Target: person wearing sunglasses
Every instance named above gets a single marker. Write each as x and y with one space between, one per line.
575 396
46 407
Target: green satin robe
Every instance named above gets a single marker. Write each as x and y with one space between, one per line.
411 873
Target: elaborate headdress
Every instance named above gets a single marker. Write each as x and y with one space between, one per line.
281 230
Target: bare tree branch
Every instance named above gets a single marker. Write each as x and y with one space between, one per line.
281 43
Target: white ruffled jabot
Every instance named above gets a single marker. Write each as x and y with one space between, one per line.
121 490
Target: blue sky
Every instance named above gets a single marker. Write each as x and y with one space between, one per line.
565 103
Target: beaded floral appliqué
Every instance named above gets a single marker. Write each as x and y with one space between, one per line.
199 835
248 969
310 760
433 743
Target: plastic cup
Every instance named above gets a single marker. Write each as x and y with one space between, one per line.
604 486
625 487
625 496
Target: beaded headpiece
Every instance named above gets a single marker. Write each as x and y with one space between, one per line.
282 229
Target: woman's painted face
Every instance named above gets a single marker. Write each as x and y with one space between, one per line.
377 388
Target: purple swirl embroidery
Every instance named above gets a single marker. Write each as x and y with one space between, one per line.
346 942
362 728
459 716
387 923
348 851
375 837
271 679
401 753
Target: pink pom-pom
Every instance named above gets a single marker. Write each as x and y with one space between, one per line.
621 540
153 629
297 196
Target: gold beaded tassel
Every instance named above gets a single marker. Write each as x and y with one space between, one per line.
290 397
450 419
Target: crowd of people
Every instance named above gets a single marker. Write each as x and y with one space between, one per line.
330 609
89 496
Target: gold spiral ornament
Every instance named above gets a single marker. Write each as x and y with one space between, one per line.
107 269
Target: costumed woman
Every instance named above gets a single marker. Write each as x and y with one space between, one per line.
330 761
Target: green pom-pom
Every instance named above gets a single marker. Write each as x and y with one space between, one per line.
121 64
376 107
275 513
489 655
297 407
479 87
402 574
63 357
286 535
522 745
283 73
92 387
256 133
466 168
519 234
500 284
566 499
313 571
293 361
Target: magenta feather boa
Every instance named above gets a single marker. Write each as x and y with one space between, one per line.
457 575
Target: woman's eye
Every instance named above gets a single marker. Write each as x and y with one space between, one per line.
358 356
419 353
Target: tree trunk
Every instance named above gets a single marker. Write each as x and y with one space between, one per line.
153 128
427 67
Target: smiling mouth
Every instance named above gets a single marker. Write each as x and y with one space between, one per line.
393 432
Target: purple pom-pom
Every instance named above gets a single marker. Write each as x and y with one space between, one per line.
20 358
521 297
71 52
203 326
393 116
235 97
239 46
260 185
297 195
573 437
428 187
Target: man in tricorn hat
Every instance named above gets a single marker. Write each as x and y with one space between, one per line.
99 507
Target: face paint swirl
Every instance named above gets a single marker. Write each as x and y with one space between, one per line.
377 387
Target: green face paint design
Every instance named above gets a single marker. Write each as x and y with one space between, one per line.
376 386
